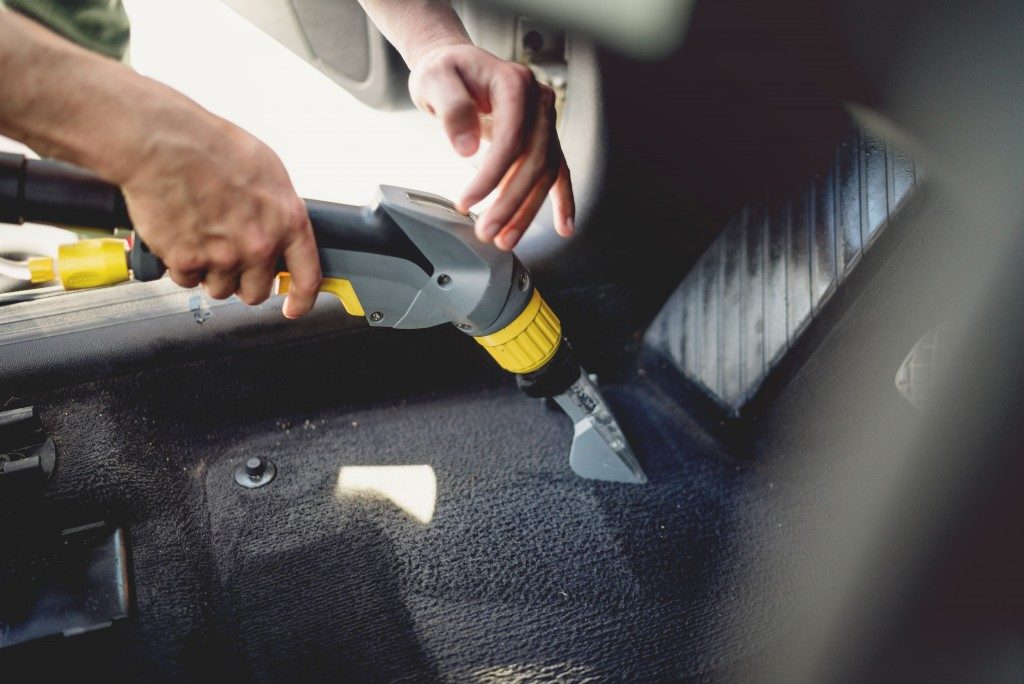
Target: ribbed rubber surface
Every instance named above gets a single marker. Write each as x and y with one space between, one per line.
337 31
752 293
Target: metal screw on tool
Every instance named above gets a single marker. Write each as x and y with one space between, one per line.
524 280
376 316
444 280
463 326
255 472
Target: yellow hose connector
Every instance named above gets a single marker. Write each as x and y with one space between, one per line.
528 342
40 270
90 263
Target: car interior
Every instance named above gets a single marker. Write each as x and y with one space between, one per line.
795 280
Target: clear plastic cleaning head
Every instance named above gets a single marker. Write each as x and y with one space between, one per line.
599 449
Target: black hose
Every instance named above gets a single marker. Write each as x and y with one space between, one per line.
52 192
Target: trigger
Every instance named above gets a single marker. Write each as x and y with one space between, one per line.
339 287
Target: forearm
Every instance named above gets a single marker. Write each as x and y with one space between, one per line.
212 201
68 103
415 27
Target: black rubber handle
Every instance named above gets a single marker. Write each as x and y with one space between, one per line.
53 192
336 226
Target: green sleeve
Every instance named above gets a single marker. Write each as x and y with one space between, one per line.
99 25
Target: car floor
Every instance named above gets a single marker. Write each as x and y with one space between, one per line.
508 567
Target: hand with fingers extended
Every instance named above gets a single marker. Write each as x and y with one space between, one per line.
459 84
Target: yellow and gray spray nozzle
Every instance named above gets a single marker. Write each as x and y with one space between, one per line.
408 260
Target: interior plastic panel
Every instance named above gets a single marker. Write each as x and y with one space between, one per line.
338 38
81 336
66 583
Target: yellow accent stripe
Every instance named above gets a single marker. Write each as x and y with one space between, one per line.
528 342
339 287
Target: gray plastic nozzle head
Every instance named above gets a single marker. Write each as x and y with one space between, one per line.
599 449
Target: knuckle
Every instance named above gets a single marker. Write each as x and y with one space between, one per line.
521 71
308 286
184 260
306 280
501 214
262 249
460 114
295 213
259 150
284 210
299 206
437 65
224 260
515 81
444 61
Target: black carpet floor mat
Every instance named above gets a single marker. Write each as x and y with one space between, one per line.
512 567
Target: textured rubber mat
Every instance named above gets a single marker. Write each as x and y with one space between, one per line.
752 293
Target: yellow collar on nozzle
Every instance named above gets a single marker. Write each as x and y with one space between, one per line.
528 342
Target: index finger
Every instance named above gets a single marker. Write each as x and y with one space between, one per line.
508 110
303 261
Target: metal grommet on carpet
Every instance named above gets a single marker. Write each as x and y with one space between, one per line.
255 472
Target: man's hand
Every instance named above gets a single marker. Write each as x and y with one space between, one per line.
217 205
209 199
459 83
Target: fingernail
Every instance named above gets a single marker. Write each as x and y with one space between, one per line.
286 310
570 226
465 144
488 231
